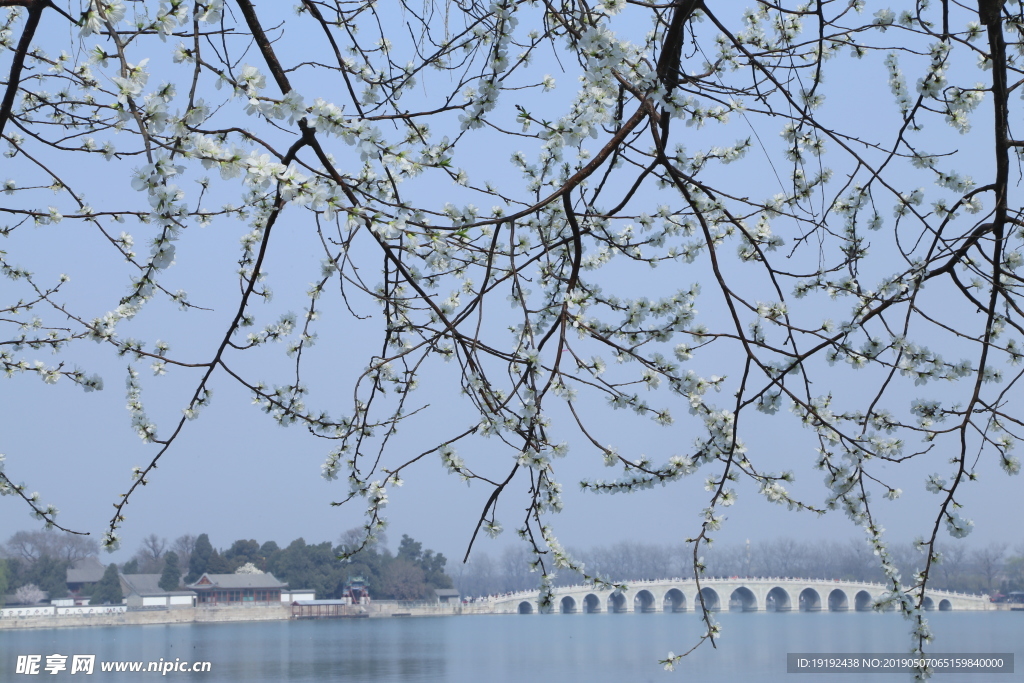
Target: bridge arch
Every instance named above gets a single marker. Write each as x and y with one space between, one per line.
837 601
675 601
643 602
711 600
616 602
743 599
768 594
810 600
778 600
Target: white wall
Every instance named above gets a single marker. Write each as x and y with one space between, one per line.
292 596
32 611
92 609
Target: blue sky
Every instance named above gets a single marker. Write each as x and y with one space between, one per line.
235 474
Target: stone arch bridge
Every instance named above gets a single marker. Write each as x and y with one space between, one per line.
747 595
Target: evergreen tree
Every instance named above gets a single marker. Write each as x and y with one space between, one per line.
431 564
171 577
108 590
310 566
433 569
130 567
410 549
243 551
197 564
218 564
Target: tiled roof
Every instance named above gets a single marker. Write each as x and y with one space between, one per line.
260 580
148 585
87 570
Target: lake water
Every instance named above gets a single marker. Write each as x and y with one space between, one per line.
597 648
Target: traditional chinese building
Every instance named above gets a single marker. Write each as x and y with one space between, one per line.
238 589
355 591
84 574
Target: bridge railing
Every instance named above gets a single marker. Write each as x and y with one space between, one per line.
523 594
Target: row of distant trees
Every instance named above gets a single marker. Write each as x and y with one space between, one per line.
987 569
38 561
411 573
33 561
34 564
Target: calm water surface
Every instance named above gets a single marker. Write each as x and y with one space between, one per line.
598 648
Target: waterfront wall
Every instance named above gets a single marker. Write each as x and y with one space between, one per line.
207 614
381 608
181 615
51 610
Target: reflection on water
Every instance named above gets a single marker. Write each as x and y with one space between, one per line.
597 648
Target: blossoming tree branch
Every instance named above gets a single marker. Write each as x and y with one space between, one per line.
699 215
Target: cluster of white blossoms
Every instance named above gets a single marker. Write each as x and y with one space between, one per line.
957 526
140 421
44 513
100 14
452 462
484 97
